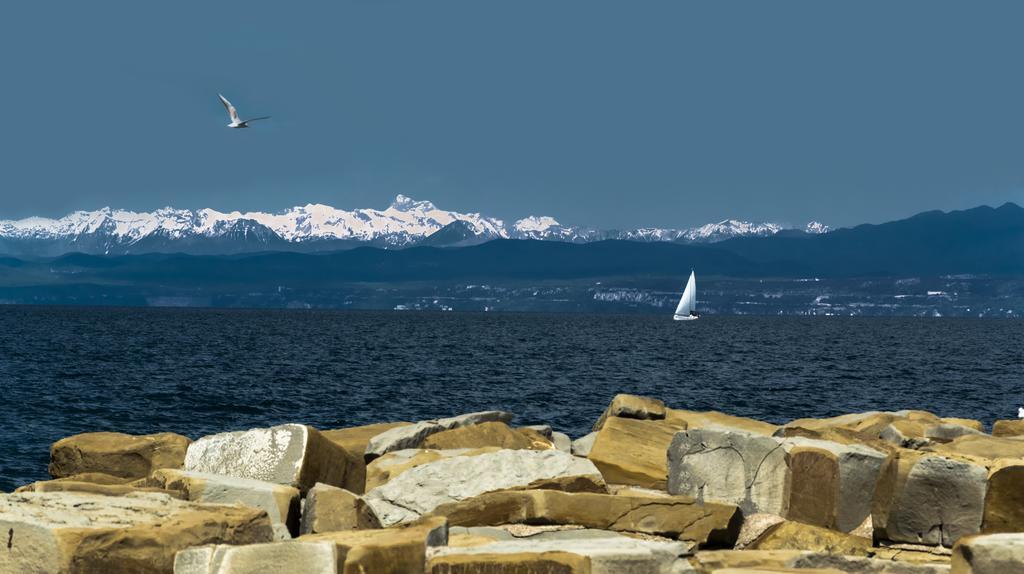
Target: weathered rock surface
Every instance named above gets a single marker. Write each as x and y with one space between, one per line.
1004 498
64 485
279 501
788 535
1008 428
736 467
561 441
720 421
394 463
420 490
385 551
278 557
982 448
330 509
353 441
411 436
631 451
605 555
928 499
861 565
583 445
64 532
989 554
294 455
709 524
490 434
632 407
116 454
831 484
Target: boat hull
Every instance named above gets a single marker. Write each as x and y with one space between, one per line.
684 318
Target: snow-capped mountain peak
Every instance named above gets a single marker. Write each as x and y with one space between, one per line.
406 221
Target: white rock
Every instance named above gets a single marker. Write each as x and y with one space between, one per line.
291 454
582 445
989 554
423 488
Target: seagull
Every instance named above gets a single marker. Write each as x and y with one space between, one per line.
235 122
1020 412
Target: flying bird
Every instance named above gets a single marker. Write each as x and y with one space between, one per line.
235 122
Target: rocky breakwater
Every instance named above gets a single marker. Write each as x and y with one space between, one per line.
653 489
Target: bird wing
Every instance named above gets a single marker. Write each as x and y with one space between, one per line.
231 109
254 119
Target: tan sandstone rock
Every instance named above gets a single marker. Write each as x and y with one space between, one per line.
65 532
64 485
489 434
117 454
720 421
353 441
789 535
709 524
280 502
1004 498
329 509
385 551
412 436
394 463
1008 428
292 454
632 407
631 451
831 484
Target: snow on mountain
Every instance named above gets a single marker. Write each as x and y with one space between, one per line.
816 227
405 222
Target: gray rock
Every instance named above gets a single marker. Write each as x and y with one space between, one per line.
331 509
946 432
740 468
941 500
411 436
861 565
544 430
421 489
562 441
296 455
582 445
295 556
989 554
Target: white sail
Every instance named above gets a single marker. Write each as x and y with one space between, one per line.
688 302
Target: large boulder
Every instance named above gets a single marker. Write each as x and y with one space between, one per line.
116 454
353 441
421 489
291 454
1008 428
385 551
411 436
632 451
925 498
831 484
490 434
982 448
709 524
632 407
64 485
1004 498
586 555
989 554
736 467
583 445
294 556
330 509
720 421
65 532
279 501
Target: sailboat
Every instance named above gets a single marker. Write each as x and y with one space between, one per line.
686 310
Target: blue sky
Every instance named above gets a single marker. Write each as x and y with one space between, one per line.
613 114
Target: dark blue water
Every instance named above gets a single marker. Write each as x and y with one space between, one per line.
71 370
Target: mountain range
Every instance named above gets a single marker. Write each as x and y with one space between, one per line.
314 227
